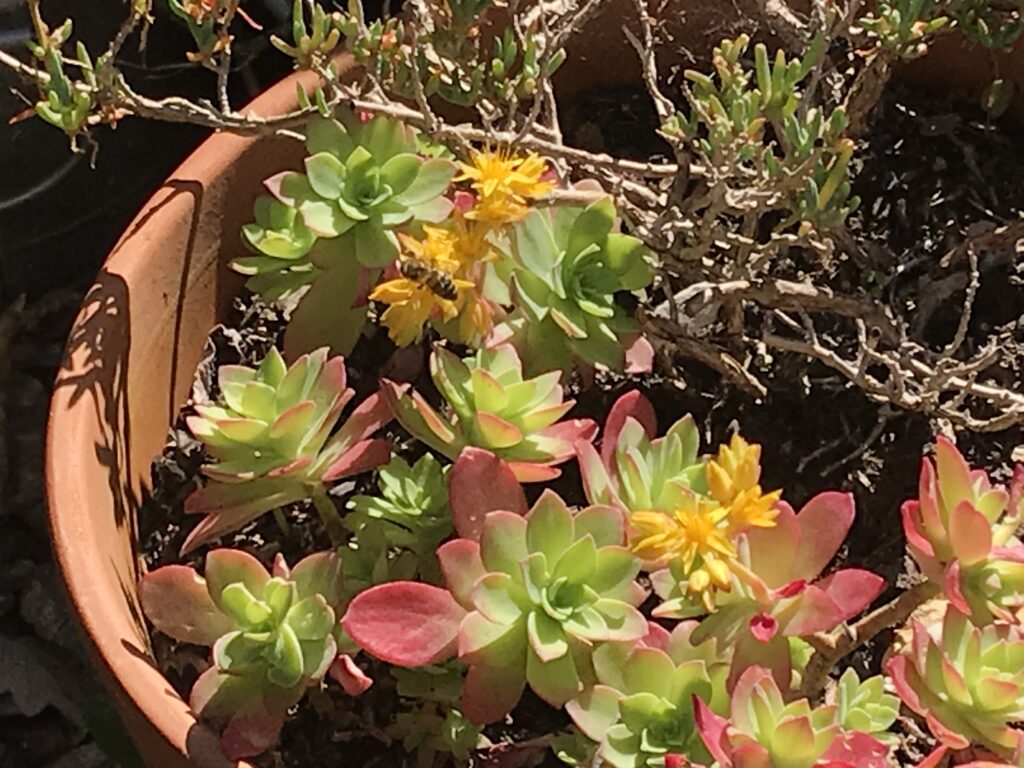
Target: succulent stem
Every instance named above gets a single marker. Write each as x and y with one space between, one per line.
330 517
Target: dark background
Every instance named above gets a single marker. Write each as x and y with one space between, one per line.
59 218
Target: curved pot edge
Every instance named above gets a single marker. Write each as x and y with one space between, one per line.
131 677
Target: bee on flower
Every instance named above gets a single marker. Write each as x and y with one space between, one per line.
504 184
437 281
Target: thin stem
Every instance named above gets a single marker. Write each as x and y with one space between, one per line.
833 647
329 516
282 521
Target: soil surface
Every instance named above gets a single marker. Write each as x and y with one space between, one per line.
930 172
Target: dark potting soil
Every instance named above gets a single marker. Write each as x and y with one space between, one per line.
930 174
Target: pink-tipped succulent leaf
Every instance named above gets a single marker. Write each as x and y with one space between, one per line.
272 636
494 408
962 531
270 436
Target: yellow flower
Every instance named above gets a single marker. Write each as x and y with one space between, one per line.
503 184
733 481
436 249
412 299
753 509
411 305
690 531
696 536
737 468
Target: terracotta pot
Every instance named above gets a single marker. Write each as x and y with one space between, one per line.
134 347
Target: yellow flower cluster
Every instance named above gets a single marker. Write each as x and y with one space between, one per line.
504 184
440 275
699 535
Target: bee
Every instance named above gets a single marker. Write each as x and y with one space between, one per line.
437 280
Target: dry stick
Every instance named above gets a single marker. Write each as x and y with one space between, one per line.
973 283
832 648
178 110
223 67
785 23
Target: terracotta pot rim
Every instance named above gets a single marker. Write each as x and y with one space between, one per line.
136 678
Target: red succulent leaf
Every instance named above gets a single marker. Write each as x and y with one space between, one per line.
480 483
639 355
970 533
490 693
657 636
824 522
528 472
792 589
405 623
773 551
175 599
813 611
856 749
251 733
361 457
945 735
566 434
712 730
919 545
230 506
631 405
951 586
852 590
902 674
462 568
374 413
934 758
349 676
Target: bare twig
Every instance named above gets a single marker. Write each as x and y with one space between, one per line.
785 23
832 648
177 110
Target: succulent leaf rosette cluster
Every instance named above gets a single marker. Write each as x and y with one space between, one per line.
525 605
272 636
494 407
967 682
273 440
570 267
962 531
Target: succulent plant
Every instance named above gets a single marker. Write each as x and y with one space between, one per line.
396 534
865 706
283 242
571 265
904 27
967 682
434 726
805 157
962 531
763 730
496 409
527 603
362 180
270 437
775 593
333 225
272 636
642 707
633 468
